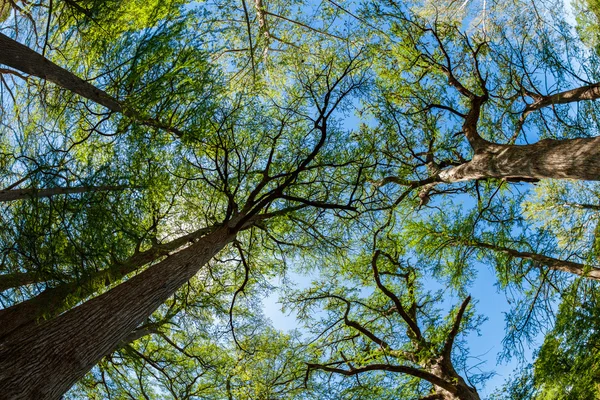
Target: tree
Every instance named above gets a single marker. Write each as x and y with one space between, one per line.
281 184
223 126
566 365
453 103
371 323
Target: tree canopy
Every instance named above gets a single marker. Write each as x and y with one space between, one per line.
166 166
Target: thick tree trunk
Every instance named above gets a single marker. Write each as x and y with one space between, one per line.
23 59
556 159
43 362
53 301
461 391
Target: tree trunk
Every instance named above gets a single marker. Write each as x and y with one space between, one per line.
444 369
9 281
556 159
23 59
585 271
589 92
21 194
53 301
44 361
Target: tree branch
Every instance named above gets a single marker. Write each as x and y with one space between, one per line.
412 324
418 373
447 350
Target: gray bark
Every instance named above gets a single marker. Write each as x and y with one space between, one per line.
556 159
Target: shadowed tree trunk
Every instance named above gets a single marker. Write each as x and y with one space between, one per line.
21 194
9 281
44 361
54 300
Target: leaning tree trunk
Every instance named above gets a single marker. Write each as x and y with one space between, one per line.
25 60
17 279
556 159
44 361
23 194
54 300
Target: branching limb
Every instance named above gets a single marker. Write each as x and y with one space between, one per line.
418 373
412 324
449 344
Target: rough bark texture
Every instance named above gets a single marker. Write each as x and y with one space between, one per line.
53 301
555 159
43 362
589 92
461 391
23 59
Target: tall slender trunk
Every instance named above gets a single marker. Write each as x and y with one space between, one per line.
9 281
23 59
556 159
21 194
44 361
53 301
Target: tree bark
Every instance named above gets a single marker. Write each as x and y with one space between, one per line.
9 281
44 361
53 301
461 391
556 159
23 59
589 92
20 194
552 263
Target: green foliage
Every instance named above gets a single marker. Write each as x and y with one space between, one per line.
567 362
356 321
329 124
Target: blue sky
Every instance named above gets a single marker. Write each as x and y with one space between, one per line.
484 346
